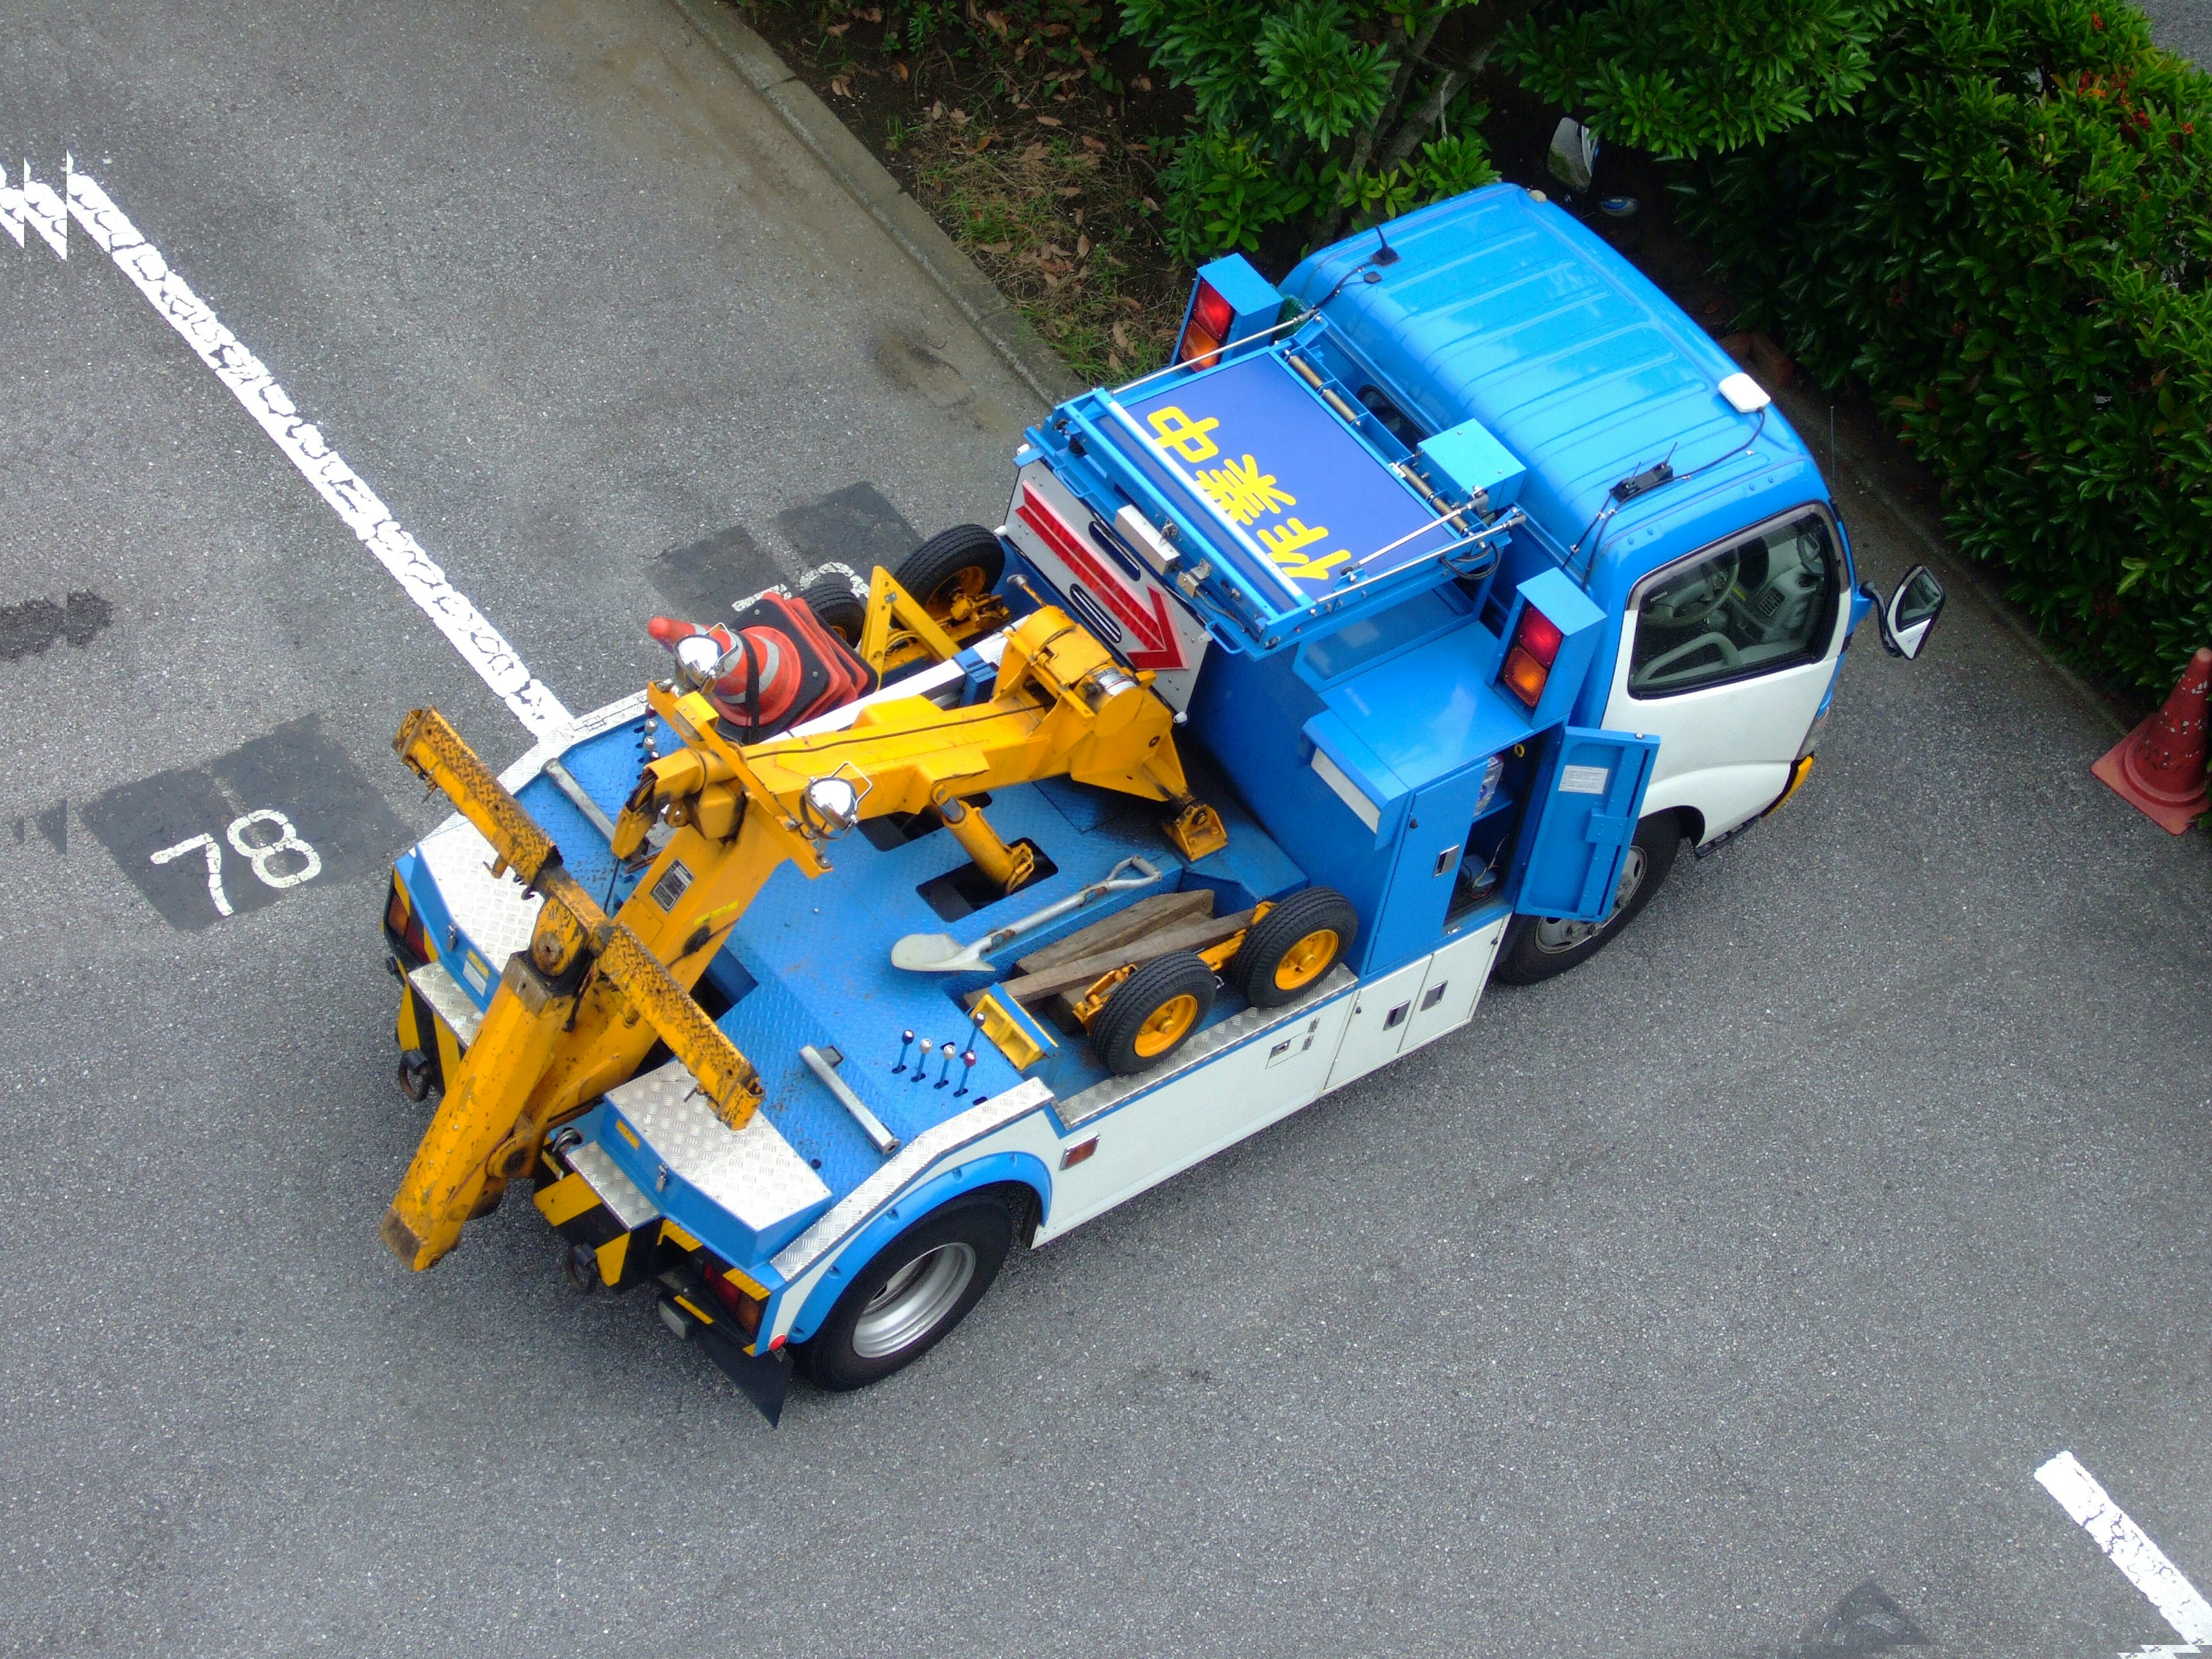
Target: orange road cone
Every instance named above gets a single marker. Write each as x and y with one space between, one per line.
2158 768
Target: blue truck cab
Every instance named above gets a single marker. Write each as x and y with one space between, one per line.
1479 581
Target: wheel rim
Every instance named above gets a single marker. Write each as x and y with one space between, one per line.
1167 1026
965 583
914 1301
1555 935
1306 961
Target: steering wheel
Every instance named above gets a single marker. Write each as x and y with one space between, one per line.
1685 658
1693 596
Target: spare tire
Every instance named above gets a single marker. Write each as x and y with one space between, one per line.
828 595
1293 945
962 562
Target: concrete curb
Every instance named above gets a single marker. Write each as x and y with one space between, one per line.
867 181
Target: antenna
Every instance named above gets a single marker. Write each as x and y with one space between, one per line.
1384 253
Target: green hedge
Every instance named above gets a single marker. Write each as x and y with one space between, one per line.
2007 242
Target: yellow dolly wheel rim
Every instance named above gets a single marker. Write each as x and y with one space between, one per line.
1167 1026
1308 960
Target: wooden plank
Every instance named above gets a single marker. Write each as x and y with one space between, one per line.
1190 936
1158 910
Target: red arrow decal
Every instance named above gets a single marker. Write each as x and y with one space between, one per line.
1153 637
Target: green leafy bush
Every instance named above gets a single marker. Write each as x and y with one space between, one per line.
1311 114
2008 242
1697 77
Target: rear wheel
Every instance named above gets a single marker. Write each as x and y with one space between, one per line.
1152 1012
1537 947
962 562
918 1287
828 595
1293 945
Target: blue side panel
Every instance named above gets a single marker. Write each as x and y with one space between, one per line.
1591 794
1250 711
1412 919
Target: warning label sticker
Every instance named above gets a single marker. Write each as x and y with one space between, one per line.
1584 779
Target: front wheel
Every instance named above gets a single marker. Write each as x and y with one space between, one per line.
918 1287
1537 947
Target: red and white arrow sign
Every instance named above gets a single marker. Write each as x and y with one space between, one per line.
1152 643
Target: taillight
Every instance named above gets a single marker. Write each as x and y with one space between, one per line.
1208 327
1528 660
743 1307
405 925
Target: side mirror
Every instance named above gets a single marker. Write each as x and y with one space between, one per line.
1910 614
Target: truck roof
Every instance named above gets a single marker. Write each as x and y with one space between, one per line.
1502 309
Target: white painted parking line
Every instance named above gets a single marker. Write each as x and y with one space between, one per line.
469 631
2130 1549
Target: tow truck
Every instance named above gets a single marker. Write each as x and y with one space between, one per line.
1397 636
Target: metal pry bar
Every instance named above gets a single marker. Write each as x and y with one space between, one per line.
871 1125
596 814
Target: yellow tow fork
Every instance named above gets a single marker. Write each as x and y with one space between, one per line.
574 1014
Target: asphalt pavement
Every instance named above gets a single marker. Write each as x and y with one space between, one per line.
1720 1298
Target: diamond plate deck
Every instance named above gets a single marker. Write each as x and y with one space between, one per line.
617 1190
751 1172
448 1000
490 910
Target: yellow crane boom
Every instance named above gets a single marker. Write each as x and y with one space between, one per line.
574 1014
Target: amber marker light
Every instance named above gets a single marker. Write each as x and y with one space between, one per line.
1210 317
1535 647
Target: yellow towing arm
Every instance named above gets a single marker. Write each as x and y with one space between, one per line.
486 1126
574 1015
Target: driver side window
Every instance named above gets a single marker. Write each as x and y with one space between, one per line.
1764 602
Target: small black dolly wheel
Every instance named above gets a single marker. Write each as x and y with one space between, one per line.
963 562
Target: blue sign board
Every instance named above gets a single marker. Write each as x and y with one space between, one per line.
1290 496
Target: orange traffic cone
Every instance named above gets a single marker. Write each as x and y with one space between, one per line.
2159 768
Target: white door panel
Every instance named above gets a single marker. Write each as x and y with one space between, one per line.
1453 986
1726 749
1380 1010
1236 1094
1725 796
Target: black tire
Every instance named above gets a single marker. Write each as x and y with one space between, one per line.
858 1344
1130 1034
830 596
1272 969
1536 948
966 559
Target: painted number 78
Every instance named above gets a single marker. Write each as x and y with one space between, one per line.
262 854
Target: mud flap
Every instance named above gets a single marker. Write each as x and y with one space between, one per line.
765 1379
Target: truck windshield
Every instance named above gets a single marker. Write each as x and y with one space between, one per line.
1762 602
